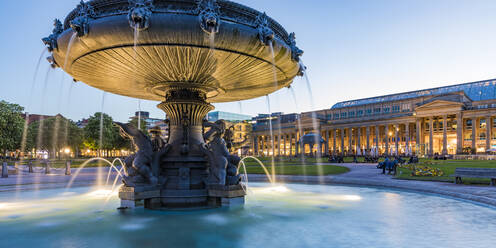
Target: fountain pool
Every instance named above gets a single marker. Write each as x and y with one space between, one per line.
283 216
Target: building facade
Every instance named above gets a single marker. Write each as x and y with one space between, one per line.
457 119
227 116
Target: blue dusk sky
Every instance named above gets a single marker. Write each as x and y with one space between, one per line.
353 49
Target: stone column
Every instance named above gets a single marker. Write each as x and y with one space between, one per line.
387 139
327 143
445 135
368 138
396 139
377 137
431 136
488 132
255 145
459 133
334 131
342 142
474 134
407 137
418 138
358 140
290 144
350 140
263 145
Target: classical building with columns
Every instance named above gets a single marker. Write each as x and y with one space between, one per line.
457 119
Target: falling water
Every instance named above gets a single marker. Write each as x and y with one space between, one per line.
67 121
69 48
314 120
300 132
211 38
33 84
270 176
56 129
240 105
273 168
39 136
100 140
139 114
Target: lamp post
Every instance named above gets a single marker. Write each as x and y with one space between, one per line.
67 152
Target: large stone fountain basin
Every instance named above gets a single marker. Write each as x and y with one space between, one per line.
175 52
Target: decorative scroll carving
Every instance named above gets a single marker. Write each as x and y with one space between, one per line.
80 24
265 33
209 15
140 12
51 40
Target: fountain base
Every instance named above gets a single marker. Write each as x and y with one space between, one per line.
162 199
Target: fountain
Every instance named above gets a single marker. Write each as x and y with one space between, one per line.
191 53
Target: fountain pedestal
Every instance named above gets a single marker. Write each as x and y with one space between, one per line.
186 170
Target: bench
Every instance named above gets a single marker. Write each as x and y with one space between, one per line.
475 173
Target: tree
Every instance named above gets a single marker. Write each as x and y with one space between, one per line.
110 136
56 134
134 123
11 126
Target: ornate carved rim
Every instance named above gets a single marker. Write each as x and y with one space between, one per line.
229 11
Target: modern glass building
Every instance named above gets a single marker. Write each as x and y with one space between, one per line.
232 117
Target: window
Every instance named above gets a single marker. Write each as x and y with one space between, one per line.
369 111
484 106
377 110
405 107
351 114
396 109
336 116
359 113
386 110
482 123
343 115
468 124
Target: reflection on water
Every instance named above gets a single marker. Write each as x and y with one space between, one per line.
274 216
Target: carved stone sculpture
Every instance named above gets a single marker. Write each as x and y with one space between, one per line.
80 24
140 12
142 167
296 52
216 151
223 165
209 15
51 40
265 33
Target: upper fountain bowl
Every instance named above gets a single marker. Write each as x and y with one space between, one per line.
174 41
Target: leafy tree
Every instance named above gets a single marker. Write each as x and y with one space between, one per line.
110 137
11 126
57 133
134 123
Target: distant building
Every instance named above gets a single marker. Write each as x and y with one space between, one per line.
82 123
152 123
451 120
34 117
231 117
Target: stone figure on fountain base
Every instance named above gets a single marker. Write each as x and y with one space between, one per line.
223 165
142 167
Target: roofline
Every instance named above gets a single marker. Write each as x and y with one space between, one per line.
408 92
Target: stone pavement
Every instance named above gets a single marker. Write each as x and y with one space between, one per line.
359 175
369 175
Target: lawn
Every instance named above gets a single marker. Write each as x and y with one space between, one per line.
309 170
448 167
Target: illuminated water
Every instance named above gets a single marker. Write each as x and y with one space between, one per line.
296 216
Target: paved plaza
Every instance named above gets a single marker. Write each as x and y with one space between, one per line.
359 175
